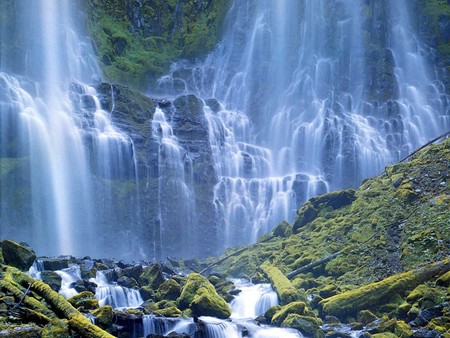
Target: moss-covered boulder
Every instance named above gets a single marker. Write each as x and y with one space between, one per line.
52 279
17 255
309 326
104 316
171 311
200 296
152 277
85 300
169 290
294 307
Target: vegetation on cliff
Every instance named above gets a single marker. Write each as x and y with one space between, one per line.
137 40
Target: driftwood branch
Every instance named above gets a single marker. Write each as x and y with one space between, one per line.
234 253
425 145
312 265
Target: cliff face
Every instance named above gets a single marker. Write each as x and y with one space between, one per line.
137 40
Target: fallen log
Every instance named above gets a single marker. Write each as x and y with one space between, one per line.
60 306
312 265
286 292
374 294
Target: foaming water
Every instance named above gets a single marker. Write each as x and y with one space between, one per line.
115 295
253 300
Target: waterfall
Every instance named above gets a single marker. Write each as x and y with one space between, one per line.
253 300
315 96
59 151
299 98
115 295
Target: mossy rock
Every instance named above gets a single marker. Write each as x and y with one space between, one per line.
52 279
104 316
85 300
172 311
169 290
306 325
57 328
444 280
282 230
199 295
152 277
366 317
271 312
294 308
17 255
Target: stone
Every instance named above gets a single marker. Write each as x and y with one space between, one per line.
200 296
17 255
306 325
52 279
169 290
152 277
104 316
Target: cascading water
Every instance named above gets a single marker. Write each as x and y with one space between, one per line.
115 295
54 137
253 300
314 95
317 95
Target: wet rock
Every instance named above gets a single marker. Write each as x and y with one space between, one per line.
152 277
52 279
127 282
169 290
201 297
54 264
17 255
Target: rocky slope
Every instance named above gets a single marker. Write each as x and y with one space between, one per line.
341 241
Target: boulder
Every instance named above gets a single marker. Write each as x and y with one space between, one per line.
52 279
169 290
308 326
85 300
152 277
294 307
200 296
17 255
104 316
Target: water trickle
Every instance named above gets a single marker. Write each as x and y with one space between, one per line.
253 300
68 277
115 295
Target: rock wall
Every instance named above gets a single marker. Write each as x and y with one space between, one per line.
137 40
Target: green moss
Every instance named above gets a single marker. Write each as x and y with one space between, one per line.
294 307
17 255
56 328
172 311
152 277
136 54
306 325
104 316
284 288
202 298
372 295
169 290
85 300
